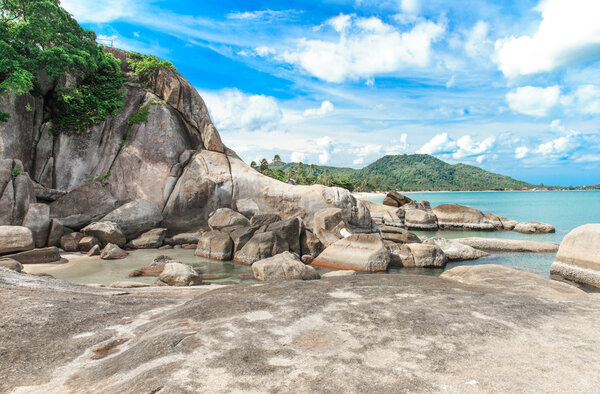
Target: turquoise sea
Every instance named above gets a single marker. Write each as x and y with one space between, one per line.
565 210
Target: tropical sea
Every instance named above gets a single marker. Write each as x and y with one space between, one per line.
565 210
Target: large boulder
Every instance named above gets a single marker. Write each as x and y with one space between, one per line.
430 256
384 214
215 245
418 217
460 217
11 264
37 220
150 239
15 239
328 223
284 266
106 232
264 218
289 230
55 232
183 238
310 244
358 252
112 252
135 218
16 192
70 242
37 256
456 251
83 205
578 258
400 255
240 236
178 274
226 217
87 243
533 228
261 246
398 235
395 199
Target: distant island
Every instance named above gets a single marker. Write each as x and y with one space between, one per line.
414 172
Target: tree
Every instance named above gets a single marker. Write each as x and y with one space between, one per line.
264 164
276 159
253 164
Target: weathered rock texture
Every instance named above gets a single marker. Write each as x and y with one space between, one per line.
508 245
15 239
460 217
284 266
358 252
376 333
456 251
578 258
215 245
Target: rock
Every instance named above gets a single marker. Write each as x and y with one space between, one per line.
127 284
327 225
106 232
511 281
83 205
495 220
533 228
508 224
94 251
289 230
241 236
37 256
37 220
508 245
112 252
177 274
385 215
284 266
87 243
261 246
398 235
400 199
55 233
135 218
166 247
248 208
15 239
310 244
152 239
401 256
16 191
264 218
456 251
336 274
430 256
307 259
578 258
11 264
358 252
225 217
46 194
70 242
183 238
460 217
215 245
390 202
155 268
188 246
418 218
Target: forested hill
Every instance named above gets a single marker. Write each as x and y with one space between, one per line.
399 172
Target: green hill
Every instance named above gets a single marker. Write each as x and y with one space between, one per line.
400 172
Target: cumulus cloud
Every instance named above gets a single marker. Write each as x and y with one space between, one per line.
464 147
298 157
563 145
469 148
586 99
87 11
477 44
410 6
365 47
521 152
326 145
568 33
532 100
358 161
326 107
233 110
439 144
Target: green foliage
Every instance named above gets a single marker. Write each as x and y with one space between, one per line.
141 116
15 172
40 40
146 66
4 116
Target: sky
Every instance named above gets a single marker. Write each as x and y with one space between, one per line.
510 86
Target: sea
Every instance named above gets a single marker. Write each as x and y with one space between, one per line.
565 210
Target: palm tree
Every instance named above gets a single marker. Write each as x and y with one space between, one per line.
264 164
253 164
276 159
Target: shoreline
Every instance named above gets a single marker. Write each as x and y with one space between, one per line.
361 195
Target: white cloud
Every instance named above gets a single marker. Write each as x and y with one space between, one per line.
410 6
87 11
264 51
561 146
441 143
233 110
326 144
298 157
568 33
358 161
324 158
469 148
586 99
365 47
477 45
326 107
262 15
521 152
532 100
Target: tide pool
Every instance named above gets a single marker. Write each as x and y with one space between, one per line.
565 210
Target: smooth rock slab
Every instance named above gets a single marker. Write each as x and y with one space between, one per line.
152 239
15 239
508 245
578 258
534 228
135 218
284 266
358 252
37 256
460 217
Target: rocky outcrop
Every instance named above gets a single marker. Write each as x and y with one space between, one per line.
384 215
215 245
112 252
578 258
508 245
284 266
264 218
358 252
37 256
310 244
37 220
423 255
81 206
456 251
106 232
70 242
11 264
15 239
398 235
460 217
289 230
261 246
419 216
16 191
226 217
395 199
177 274
150 239
135 218
328 224
533 228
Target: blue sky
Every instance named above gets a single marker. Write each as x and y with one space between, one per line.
510 86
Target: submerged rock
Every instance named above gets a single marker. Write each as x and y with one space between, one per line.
358 252
284 266
578 258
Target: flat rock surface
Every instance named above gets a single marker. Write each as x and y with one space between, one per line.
508 245
376 333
